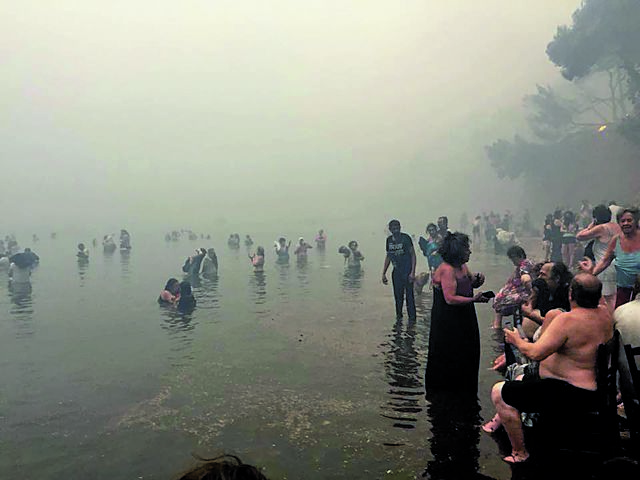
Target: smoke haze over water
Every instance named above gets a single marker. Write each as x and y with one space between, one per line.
195 112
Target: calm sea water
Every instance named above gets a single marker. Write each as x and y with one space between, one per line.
302 369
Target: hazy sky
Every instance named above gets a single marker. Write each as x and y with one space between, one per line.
174 112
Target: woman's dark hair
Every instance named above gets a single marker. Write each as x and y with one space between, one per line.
431 225
568 218
260 251
602 214
548 220
170 283
454 248
560 272
224 467
557 214
516 251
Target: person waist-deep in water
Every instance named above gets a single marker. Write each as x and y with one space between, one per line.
400 252
187 301
170 293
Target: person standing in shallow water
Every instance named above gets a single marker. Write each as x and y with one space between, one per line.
401 253
453 358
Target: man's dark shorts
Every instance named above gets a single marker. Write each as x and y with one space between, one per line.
537 395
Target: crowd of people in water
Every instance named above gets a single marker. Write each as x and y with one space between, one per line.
551 316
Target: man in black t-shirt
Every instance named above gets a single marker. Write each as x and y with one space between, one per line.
401 253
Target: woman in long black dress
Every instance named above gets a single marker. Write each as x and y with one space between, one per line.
453 358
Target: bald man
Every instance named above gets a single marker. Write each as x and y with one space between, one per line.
566 351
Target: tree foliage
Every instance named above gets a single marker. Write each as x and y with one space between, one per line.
605 35
587 132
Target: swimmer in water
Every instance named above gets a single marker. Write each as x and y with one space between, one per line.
257 260
209 267
321 240
186 302
282 250
301 250
352 256
171 292
83 252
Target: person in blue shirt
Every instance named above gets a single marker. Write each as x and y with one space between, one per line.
401 253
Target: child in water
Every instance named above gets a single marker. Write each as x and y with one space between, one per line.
187 301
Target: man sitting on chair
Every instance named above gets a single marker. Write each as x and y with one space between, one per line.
567 351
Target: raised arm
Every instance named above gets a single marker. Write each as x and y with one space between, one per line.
590 232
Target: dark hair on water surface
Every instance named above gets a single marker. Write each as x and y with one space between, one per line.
454 248
224 467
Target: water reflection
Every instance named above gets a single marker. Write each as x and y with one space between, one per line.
455 420
125 256
352 279
302 270
283 280
21 309
258 285
180 327
402 367
205 290
83 267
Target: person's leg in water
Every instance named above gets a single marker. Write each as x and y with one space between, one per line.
398 291
411 302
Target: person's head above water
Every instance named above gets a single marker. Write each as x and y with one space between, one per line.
260 251
81 246
224 467
431 229
443 222
282 240
353 245
301 241
211 252
172 285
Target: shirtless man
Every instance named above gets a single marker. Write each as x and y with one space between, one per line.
566 351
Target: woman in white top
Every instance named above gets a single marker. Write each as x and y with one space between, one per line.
601 230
